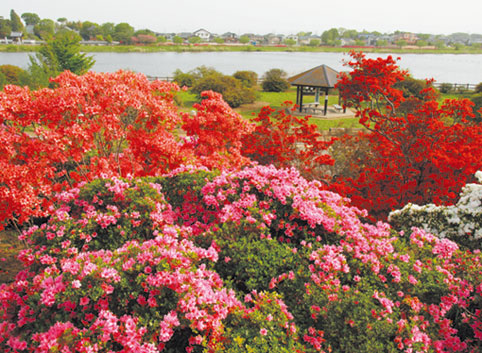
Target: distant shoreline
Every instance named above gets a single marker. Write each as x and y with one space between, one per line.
241 48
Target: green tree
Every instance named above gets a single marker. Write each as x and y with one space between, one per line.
381 43
274 80
63 53
75 26
219 40
314 42
177 40
194 39
5 28
107 29
244 39
90 30
44 29
350 33
330 36
290 42
421 43
401 43
16 23
123 32
30 18
161 39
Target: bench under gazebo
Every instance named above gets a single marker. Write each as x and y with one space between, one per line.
316 80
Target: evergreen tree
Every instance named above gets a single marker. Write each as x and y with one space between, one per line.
15 22
62 53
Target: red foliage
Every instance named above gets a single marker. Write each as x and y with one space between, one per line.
421 156
113 124
285 141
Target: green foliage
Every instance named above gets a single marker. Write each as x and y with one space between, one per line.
16 23
290 42
330 36
177 40
248 78
12 74
219 40
45 29
3 80
63 53
233 91
314 42
411 87
89 30
183 78
274 80
244 39
194 39
264 327
30 18
123 33
5 28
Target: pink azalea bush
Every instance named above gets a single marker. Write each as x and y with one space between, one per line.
253 260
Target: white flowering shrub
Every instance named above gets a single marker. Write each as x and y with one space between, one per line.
461 222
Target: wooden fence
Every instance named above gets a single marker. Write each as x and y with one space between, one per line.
450 87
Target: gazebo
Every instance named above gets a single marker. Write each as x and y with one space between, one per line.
320 78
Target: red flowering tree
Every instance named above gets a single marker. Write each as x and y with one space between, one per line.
103 123
284 140
422 153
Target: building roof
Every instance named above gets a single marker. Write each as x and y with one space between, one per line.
320 76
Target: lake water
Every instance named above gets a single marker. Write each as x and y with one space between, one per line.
452 68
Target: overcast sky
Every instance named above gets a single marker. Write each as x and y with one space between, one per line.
264 16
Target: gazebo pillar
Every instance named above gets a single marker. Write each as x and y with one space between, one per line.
317 95
326 101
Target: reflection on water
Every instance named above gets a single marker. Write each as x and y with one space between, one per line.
453 68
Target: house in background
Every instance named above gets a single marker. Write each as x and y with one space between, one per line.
410 38
230 37
203 34
274 39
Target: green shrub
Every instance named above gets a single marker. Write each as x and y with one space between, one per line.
248 78
411 87
12 74
233 91
274 80
184 78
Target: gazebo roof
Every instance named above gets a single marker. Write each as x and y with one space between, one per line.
320 76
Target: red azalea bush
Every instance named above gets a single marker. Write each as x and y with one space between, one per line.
284 140
114 123
419 151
